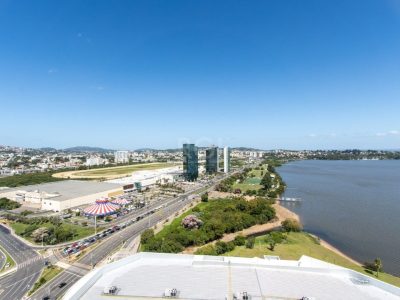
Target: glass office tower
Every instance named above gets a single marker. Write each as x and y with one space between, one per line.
212 160
190 162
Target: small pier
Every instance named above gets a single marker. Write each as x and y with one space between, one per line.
287 199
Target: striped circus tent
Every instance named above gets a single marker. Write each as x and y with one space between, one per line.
102 207
120 201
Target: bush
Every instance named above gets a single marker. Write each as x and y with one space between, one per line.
26 212
206 250
250 242
221 247
8 204
291 225
239 240
204 197
146 236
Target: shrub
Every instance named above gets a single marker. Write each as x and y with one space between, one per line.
221 247
204 197
291 225
206 250
146 236
239 240
250 242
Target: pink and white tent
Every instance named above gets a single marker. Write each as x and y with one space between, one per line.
102 207
120 201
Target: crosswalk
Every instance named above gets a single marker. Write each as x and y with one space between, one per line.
29 261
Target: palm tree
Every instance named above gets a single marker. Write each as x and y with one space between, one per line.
378 266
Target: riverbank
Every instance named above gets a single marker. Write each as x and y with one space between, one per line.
343 202
282 213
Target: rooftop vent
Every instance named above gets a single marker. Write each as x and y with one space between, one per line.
241 296
171 293
110 290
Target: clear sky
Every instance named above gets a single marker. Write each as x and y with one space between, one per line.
266 74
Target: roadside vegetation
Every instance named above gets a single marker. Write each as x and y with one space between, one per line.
52 230
48 274
206 222
9 263
7 204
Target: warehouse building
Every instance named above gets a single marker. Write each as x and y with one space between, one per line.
61 195
157 276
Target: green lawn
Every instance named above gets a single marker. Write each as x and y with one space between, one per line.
47 274
245 187
299 244
251 183
123 169
8 260
81 232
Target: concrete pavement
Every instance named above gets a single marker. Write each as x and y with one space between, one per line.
29 266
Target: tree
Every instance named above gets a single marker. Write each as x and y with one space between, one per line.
270 241
40 234
291 225
146 236
378 266
221 247
239 240
204 197
250 242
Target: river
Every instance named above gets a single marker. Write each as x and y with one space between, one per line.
354 205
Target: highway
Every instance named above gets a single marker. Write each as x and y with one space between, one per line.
29 266
106 247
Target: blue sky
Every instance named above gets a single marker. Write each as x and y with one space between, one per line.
266 74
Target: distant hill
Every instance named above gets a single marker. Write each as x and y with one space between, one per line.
86 149
47 149
145 149
246 149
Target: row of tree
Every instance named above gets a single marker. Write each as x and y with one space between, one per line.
218 217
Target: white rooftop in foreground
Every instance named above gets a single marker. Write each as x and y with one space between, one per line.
149 275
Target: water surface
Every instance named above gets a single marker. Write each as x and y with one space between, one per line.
354 205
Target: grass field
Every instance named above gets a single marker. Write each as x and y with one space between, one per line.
47 274
299 244
112 172
8 260
245 187
251 183
81 231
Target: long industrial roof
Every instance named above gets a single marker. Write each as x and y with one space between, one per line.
149 275
67 189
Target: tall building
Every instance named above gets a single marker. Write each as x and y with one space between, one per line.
227 159
190 162
121 157
212 160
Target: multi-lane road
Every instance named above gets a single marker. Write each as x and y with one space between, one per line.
125 236
29 265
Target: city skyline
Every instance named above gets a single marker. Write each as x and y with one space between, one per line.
267 75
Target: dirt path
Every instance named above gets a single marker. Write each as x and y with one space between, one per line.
282 213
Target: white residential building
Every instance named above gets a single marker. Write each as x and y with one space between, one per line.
121 157
227 159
